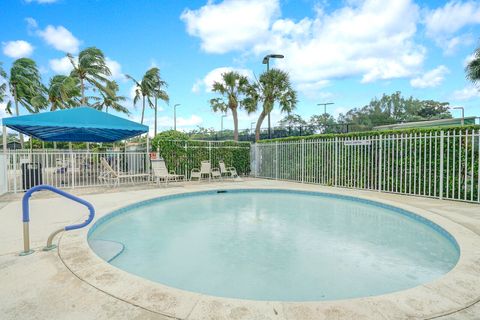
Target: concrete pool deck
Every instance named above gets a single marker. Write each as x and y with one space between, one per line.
72 283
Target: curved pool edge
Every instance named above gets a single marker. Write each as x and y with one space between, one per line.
454 291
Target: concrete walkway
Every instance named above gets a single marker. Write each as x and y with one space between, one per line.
40 286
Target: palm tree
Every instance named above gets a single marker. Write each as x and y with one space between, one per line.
90 67
233 88
26 88
63 92
110 99
158 93
144 89
3 86
473 67
272 86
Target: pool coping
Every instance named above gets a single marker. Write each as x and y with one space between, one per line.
454 291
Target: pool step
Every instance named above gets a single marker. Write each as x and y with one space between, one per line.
106 249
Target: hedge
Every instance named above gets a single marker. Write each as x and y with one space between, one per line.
182 154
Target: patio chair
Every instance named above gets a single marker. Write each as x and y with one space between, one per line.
205 169
227 171
109 174
160 172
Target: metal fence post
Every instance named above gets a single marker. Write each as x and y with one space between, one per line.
335 157
210 151
276 160
379 164
303 160
72 164
442 136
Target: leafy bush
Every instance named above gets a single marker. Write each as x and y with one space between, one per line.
182 154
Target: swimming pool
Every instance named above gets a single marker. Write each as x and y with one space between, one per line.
278 245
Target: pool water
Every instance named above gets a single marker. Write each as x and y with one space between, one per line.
277 245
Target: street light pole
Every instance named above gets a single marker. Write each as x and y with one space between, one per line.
463 115
324 106
266 60
175 116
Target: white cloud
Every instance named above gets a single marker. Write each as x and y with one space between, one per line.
17 49
31 23
369 39
61 65
443 23
60 38
216 75
350 41
312 90
430 79
467 93
231 24
115 69
468 59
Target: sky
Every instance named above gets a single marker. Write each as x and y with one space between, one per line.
345 52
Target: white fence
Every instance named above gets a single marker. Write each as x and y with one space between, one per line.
65 169
442 164
3 174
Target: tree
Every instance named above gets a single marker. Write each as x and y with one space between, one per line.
324 123
158 92
394 108
90 67
3 84
26 88
272 86
292 120
63 92
109 99
145 88
233 88
473 67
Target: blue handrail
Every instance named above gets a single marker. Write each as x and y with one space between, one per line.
26 214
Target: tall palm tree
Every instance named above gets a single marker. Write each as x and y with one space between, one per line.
90 67
63 92
26 87
233 88
144 89
272 86
158 92
473 67
110 99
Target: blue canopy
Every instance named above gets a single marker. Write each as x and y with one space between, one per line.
82 124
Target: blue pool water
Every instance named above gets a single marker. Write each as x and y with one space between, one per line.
276 245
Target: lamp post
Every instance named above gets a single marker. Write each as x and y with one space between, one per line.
266 60
324 106
175 116
463 114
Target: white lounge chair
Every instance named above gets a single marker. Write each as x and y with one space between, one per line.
205 170
160 172
227 171
109 174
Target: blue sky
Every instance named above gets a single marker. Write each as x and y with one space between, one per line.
346 52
